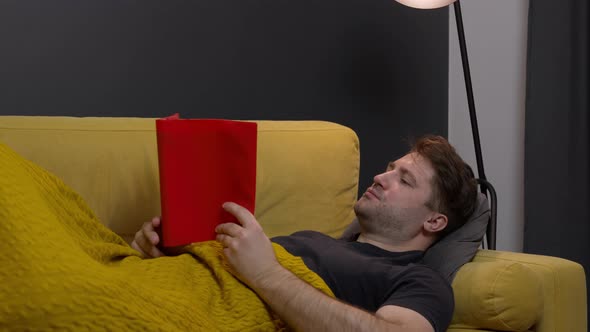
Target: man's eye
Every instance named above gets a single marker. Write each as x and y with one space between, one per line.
405 182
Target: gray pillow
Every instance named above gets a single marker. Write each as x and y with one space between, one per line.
449 254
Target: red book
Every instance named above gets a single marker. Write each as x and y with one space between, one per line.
203 163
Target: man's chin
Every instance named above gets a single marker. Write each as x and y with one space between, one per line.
363 201
360 210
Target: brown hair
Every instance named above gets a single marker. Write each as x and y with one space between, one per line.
454 188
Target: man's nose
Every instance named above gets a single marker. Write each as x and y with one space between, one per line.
379 179
384 178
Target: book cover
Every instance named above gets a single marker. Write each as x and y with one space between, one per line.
203 163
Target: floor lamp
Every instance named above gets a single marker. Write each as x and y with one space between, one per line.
484 184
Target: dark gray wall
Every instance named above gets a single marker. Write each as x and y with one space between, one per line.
373 65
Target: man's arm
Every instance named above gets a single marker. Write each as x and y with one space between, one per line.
249 253
307 309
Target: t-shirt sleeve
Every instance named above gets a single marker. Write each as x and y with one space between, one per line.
426 292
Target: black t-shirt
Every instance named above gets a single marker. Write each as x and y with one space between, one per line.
369 277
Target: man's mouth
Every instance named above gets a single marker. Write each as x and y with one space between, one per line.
371 193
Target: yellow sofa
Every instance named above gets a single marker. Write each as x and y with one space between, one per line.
307 178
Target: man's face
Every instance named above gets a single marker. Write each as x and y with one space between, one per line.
395 205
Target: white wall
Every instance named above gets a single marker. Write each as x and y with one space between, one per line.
496 33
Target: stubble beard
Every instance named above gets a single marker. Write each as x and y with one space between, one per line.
379 220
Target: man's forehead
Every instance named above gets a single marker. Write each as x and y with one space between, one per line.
416 164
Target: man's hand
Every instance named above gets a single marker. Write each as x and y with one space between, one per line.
147 239
248 250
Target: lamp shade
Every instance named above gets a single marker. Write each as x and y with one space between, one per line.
426 4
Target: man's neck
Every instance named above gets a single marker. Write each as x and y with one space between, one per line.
410 245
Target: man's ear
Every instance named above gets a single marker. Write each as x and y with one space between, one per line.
436 223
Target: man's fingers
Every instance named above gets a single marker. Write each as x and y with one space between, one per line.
150 233
136 247
144 243
241 213
152 252
147 239
230 229
156 222
223 239
156 252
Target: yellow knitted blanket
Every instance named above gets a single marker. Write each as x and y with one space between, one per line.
61 269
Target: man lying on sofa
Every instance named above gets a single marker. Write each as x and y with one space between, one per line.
378 280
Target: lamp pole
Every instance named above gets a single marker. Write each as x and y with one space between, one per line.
469 90
485 186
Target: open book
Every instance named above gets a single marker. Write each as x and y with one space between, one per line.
203 163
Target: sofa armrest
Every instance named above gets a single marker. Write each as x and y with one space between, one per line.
561 299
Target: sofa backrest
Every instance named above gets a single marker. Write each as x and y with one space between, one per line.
307 171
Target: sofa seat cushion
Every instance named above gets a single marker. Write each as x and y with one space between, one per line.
497 296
